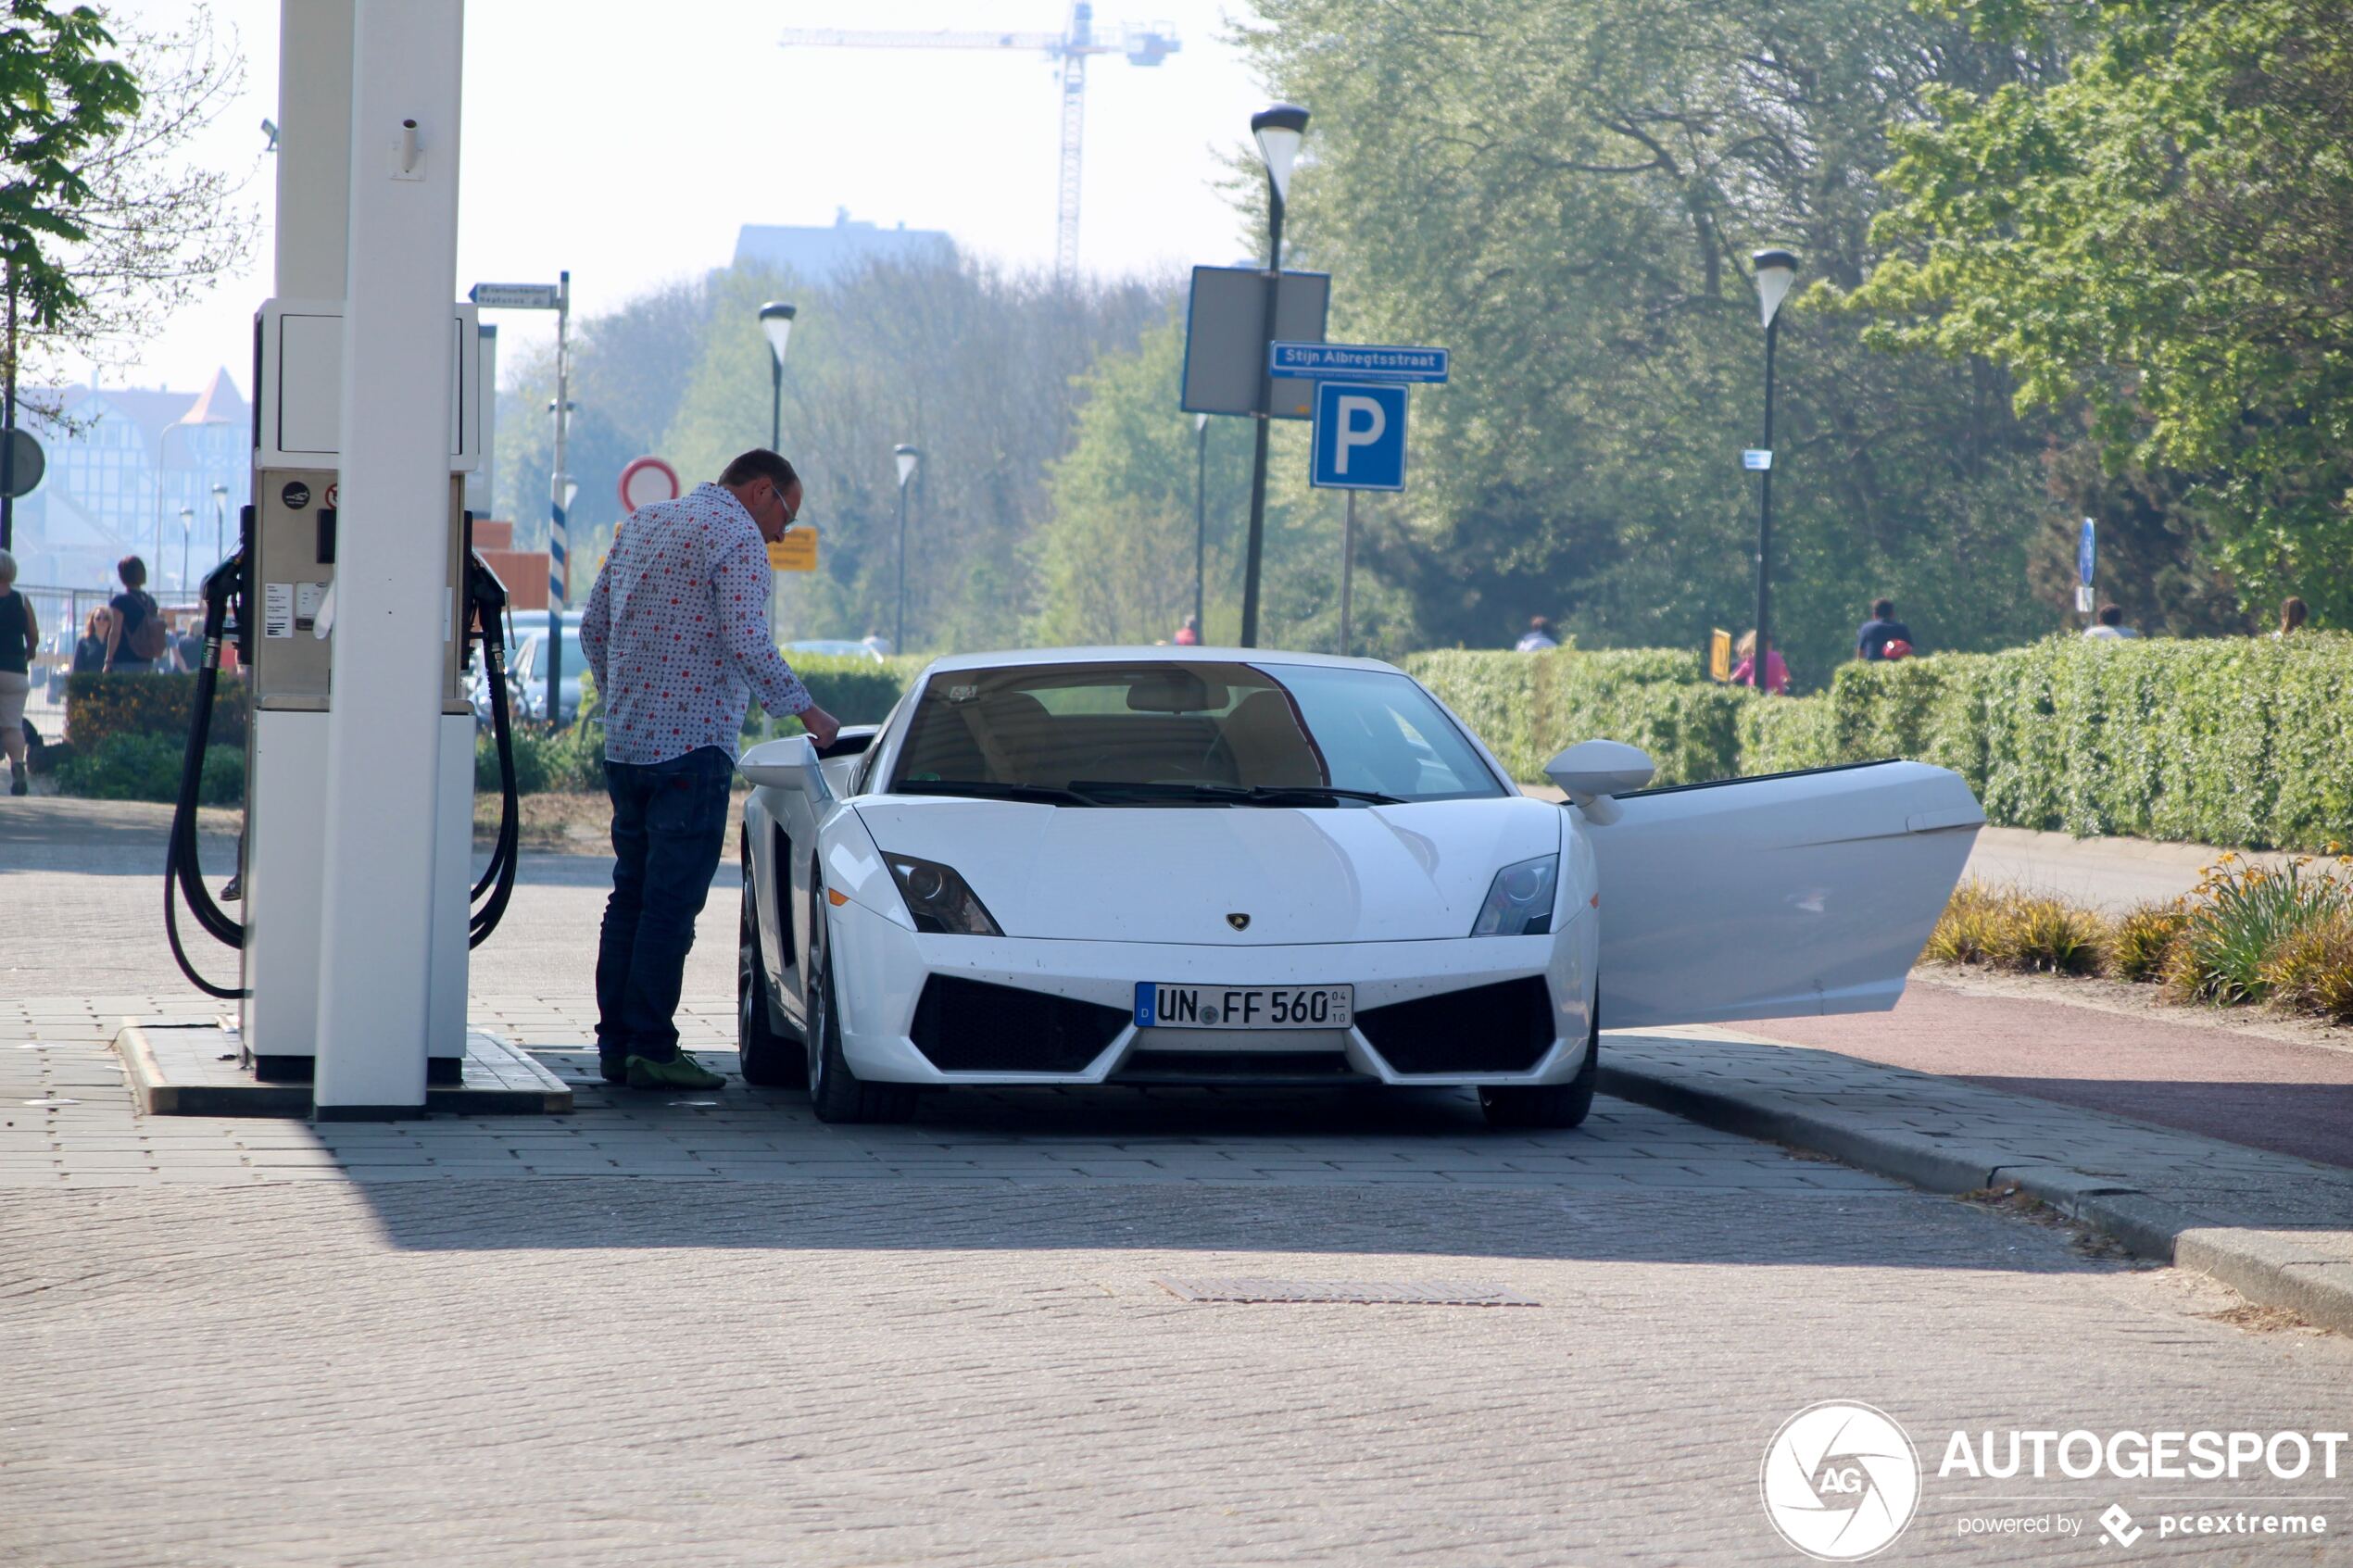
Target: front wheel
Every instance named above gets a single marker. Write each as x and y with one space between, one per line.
1551 1105
766 1055
836 1093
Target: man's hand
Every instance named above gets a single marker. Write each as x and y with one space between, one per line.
821 726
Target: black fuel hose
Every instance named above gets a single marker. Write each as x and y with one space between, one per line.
488 597
181 876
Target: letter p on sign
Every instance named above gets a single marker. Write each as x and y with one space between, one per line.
1360 437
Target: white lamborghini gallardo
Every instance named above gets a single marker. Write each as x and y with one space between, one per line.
1191 865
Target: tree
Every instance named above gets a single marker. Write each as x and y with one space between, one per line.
1565 192
1114 559
106 226
2163 232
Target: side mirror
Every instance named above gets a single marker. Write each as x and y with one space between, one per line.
790 763
1592 771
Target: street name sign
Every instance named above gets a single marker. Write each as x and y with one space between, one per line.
1756 460
1360 436
1357 362
515 297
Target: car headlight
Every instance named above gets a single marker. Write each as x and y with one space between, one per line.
938 899
1520 902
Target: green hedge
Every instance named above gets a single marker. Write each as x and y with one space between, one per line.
2244 743
129 766
100 706
1526 706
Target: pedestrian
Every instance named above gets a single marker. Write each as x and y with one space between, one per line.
2292 614
1537 638
2108 626
1189 634
1745 672
19 640
677 635
1872 637
137 638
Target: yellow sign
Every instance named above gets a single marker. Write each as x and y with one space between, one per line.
797 551
1719 652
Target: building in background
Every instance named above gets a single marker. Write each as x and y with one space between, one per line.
122 465
821 255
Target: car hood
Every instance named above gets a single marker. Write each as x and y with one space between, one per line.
1184 874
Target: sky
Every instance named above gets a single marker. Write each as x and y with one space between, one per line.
630 142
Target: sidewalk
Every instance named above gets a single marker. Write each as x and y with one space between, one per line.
2276 1228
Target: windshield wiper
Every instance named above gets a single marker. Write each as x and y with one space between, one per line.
1237 795
1043 794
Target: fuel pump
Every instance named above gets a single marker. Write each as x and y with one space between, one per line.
279 594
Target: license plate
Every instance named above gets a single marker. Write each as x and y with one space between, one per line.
1243 1007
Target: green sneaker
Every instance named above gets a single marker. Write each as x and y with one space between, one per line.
681 1071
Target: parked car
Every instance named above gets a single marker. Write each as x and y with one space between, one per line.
1138 865
527 669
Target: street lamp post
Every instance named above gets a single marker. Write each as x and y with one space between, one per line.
1776 269
1279 129
219 521
775 325
909 459
1201 512
776 322
187 516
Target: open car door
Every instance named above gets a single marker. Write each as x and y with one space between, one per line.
1778 896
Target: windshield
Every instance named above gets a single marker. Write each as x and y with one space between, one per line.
1153 733
534 663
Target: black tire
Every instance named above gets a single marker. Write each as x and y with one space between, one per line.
1557 1106
836 1093
767 1055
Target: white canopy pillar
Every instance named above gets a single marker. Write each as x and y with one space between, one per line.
384 723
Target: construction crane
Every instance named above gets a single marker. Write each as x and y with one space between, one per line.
1143 45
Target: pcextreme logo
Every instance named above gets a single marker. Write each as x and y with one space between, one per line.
1840 1481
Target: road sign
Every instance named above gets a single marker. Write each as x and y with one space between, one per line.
1226 341
1357 362
797 551
25 463
645 481
1756 460
1360 436
516 296
2086 553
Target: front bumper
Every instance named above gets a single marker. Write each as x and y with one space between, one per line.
881 968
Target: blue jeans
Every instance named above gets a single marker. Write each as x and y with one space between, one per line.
668 825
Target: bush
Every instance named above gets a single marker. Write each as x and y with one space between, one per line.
1785 735
2142 944
2012 929
2312 970
2222 741
2236 918
532 746
130 766
1526 706
855 690
101 706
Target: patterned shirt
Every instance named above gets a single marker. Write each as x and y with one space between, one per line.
676 629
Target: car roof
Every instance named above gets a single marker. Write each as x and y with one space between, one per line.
1015 658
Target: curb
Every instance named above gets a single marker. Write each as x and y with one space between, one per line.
2270 1267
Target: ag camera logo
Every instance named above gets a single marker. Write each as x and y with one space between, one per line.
1840 1481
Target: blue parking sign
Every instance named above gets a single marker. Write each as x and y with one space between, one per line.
1360 436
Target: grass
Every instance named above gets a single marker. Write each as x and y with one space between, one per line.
2247 935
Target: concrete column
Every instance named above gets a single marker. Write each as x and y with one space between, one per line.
384 736
314 147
